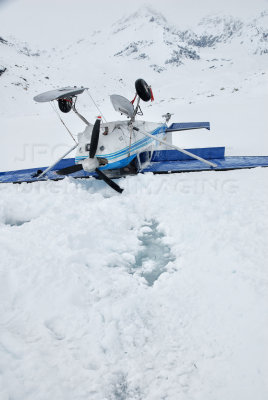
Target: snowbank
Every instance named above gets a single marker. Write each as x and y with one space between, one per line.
89 312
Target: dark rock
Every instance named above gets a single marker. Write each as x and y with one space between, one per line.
183 52
157 68
2 70
133 47
142 56
3 40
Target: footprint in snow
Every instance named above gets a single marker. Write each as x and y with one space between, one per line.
151 261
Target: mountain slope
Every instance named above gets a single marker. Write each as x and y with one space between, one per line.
143 41
216 71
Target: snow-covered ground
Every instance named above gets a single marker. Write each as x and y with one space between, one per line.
158 293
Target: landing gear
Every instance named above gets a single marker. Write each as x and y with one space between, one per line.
143 90
65 105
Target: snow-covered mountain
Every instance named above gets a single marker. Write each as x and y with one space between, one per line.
177 45
141 42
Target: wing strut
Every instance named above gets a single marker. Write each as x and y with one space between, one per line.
52 166
177 148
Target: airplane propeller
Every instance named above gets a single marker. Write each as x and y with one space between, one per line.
92 152
70 170
95 138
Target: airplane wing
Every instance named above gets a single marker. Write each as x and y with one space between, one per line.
163 162
186 126
226 164
172 161
32 174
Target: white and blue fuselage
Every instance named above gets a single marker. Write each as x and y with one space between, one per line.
119 143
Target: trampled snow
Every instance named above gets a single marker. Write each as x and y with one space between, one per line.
158 293
90 310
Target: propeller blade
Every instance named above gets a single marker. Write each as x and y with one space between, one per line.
109 182
94 138
70 170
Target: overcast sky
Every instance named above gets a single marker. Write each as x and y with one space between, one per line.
52 22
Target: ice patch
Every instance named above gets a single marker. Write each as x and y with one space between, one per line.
153 258
122 390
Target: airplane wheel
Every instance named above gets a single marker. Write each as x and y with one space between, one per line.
65 105
143 89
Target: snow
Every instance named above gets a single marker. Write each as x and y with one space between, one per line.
79 317
158 293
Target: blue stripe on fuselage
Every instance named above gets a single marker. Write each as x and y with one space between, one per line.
140 143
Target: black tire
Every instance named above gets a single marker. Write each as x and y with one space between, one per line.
143 90
65 105
94 139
